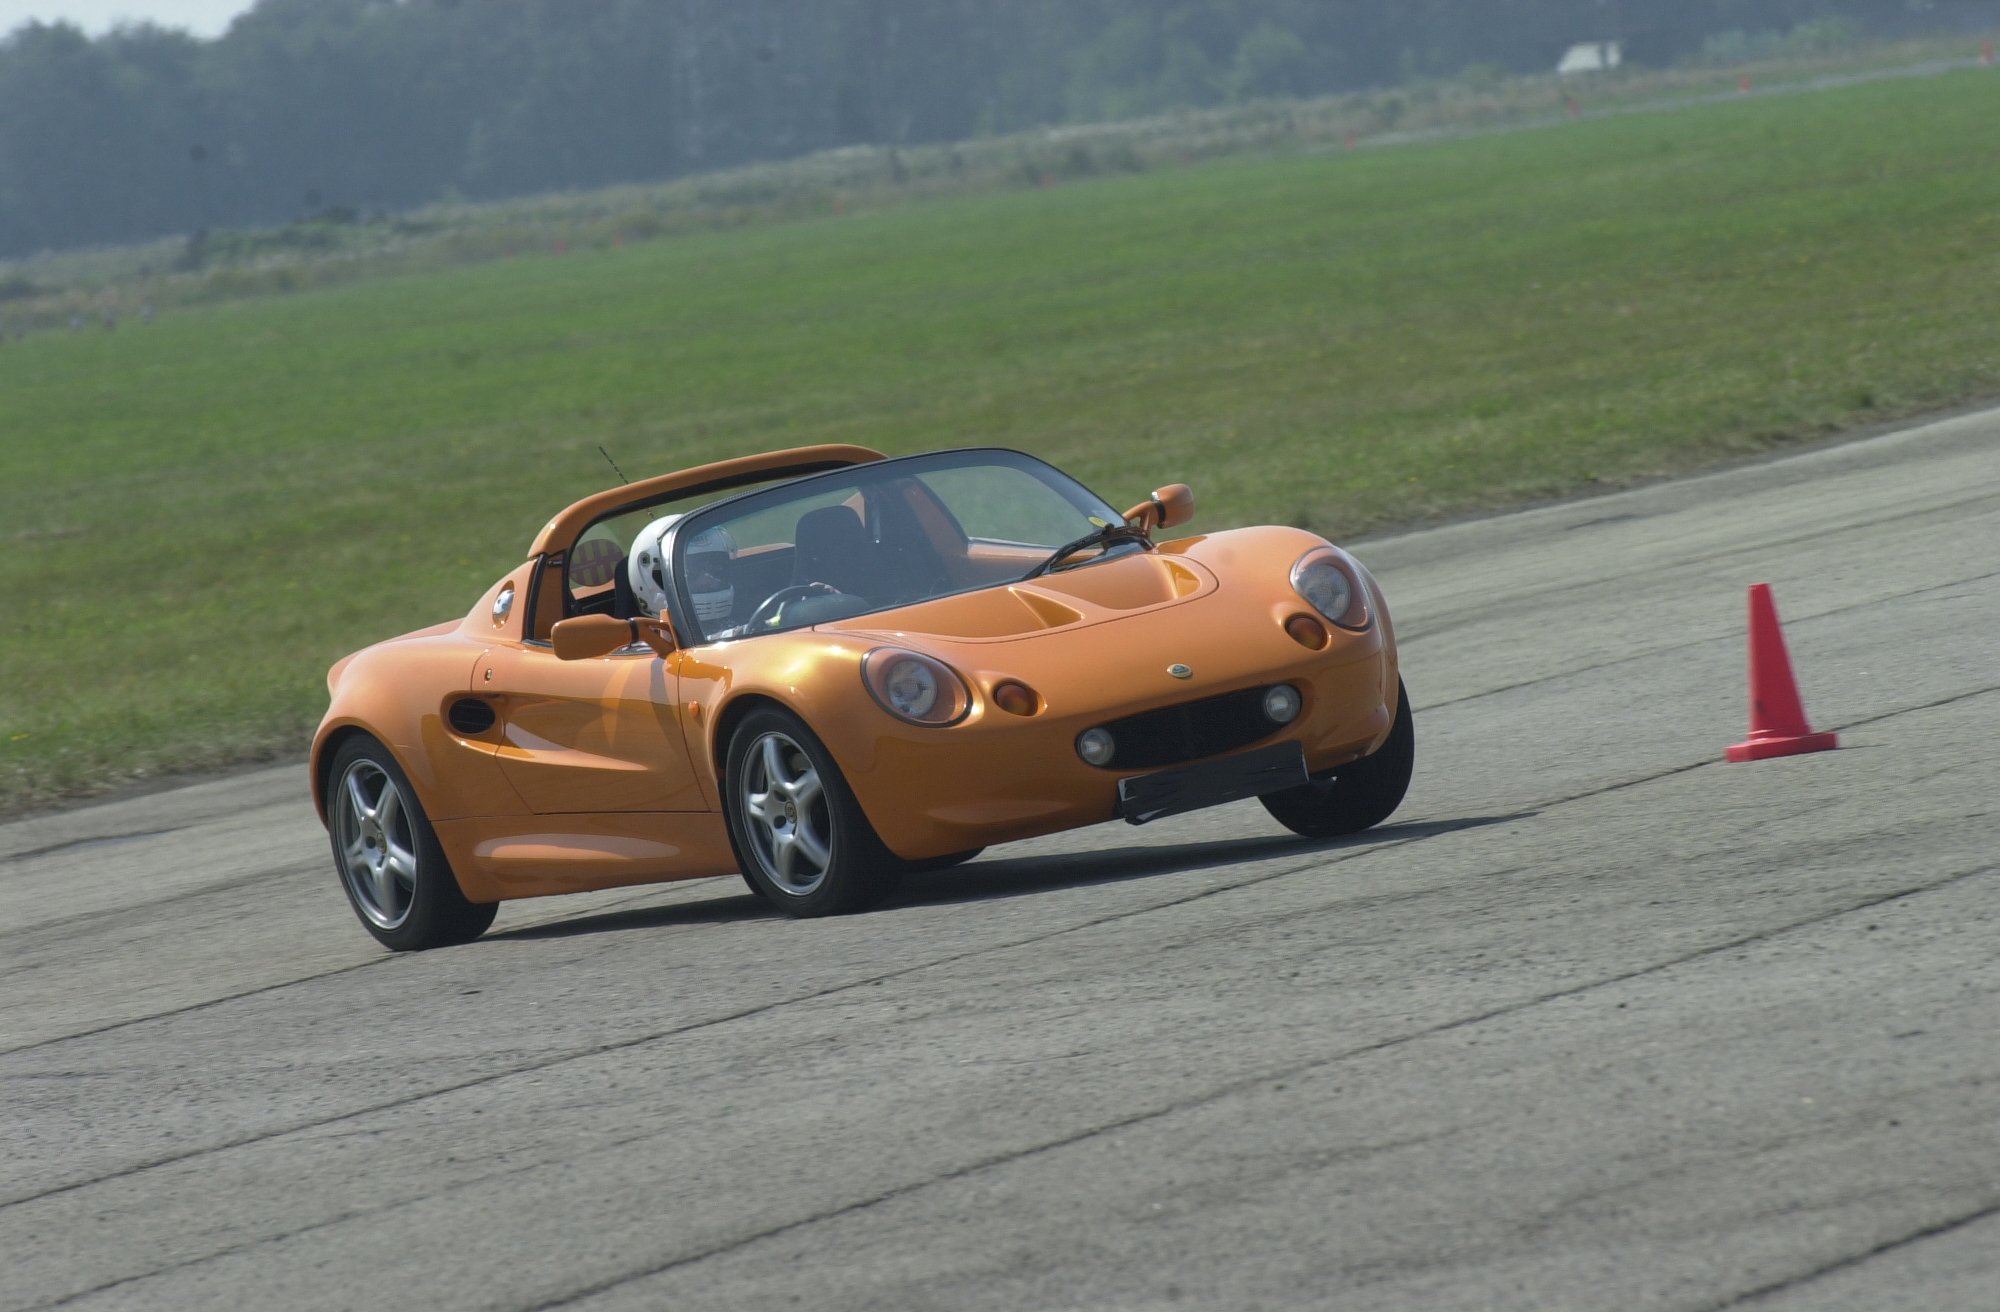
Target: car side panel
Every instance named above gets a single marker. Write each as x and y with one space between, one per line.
499 857
590 736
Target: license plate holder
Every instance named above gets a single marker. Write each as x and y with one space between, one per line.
1148 797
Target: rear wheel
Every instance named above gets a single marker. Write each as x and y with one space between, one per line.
1359 795
803 841
391 865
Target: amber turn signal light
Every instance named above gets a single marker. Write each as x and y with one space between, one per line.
1307 632
1016 698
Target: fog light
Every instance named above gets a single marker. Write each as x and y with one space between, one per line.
1096 746
1281 704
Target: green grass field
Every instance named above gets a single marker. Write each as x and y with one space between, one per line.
204 512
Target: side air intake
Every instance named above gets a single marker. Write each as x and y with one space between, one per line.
471 716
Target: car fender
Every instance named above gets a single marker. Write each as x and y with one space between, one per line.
815 676
399 692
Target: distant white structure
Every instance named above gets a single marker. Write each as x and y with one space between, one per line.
1591 57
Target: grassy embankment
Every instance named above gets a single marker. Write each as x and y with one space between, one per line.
203 512
44 291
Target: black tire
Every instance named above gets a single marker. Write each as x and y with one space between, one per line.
926 866
388 858
802 840
1359 795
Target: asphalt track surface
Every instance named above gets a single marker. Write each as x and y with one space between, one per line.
1596 1021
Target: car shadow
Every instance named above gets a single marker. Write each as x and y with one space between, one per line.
1007 877
1028 875
715 910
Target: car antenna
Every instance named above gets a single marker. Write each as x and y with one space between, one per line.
614 465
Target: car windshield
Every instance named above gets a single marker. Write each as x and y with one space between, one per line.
878 536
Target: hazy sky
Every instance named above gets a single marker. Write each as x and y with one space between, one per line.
205 17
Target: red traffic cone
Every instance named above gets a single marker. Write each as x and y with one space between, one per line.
1777 717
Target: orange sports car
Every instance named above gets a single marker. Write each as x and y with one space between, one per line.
824 668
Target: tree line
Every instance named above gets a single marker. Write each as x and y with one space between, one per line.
325 106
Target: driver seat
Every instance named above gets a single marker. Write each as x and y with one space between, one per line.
832 547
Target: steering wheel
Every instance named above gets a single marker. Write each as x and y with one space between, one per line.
771 605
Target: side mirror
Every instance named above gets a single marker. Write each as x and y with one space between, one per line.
1169 507
589 636
1176 503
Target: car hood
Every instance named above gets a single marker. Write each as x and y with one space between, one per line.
1199 616
1089 594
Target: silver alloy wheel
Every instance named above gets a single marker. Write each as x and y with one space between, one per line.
784 808
377 844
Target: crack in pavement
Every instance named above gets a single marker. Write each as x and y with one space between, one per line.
386 959
1985 1211
238 884
1415 630
1920 706
74 844
1670 648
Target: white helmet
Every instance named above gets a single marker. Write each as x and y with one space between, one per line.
714 598
647 567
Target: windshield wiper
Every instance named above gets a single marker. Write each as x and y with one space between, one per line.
1103 537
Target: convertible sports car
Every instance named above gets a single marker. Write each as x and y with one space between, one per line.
825 668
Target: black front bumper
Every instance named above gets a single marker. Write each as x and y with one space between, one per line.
1145 797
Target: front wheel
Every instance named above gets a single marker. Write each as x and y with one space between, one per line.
391 864
1361 794
804 843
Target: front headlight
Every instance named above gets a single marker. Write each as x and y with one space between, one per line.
1331 583
915 687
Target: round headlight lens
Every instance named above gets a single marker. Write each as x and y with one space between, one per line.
911 689
1096 746
1331 583
915 687
1281 704
1324 584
